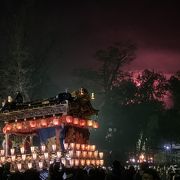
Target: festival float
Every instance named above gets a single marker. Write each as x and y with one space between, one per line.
25 122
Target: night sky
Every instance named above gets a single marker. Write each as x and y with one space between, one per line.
77 30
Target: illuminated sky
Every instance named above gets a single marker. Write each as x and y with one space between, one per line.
80 28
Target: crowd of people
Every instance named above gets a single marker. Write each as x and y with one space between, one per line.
57 172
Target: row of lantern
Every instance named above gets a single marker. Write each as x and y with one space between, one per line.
86 154
82 147
29 126
81 150
48 156
42 164
80 159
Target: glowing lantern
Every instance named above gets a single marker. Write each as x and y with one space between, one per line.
83 147
82 123
87 147
54 147
40 165
78 153
8 127
72 145
81 91
93 147
44 123
76 162
97 162
101 162
19 126
84 154
101 155
30 165
2 152
78 146
82 162
92 96
76 121
34 156
56 121
93 162
71 153
88 162
22 150
95 154
90 123
32 124
19 166
46 155
43 148
13 158
90 154
69 119
95 125
32 149
12 151
71 162
2 159
24 157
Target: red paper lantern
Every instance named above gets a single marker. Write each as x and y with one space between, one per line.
44 123
95 124
69 119
90 123
82 123
56 121
32 124
76 121
19 126
8 127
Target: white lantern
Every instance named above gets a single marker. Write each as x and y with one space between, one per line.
82 162
71 162
23 157
34 156
2 152
88 162
2 159
12 151
46 155
76 162
32 149
40 165
78 146
29 165
93 147
19 166
54 147
22 150
13 158
43 148
95 154
78 153
101 162
101 155
72 145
